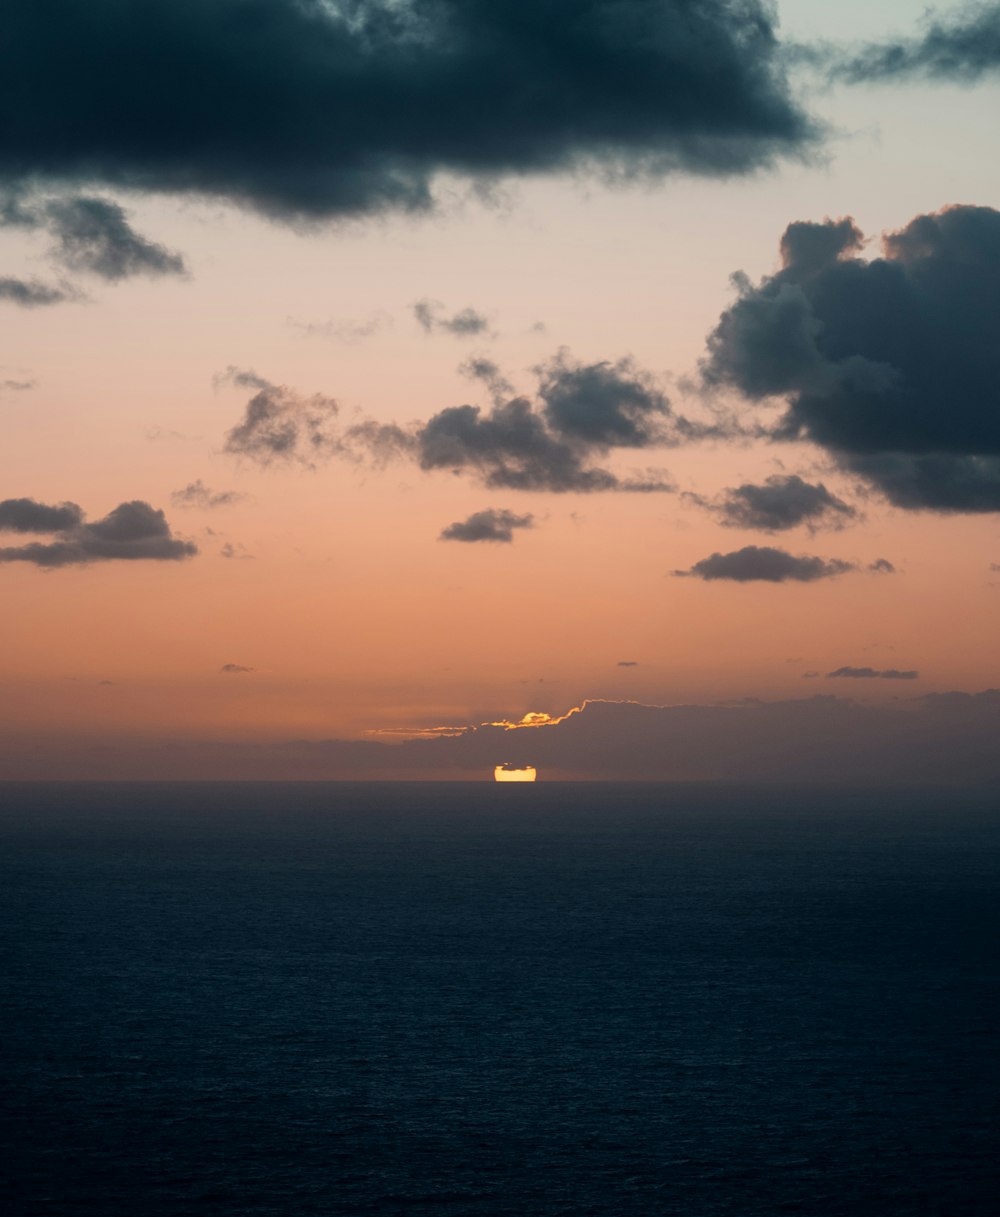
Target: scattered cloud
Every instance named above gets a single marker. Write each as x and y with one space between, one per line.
346 331
279 424
756 563
312 109
962 46
27 515
32 293
466 323
888 364
93 236
131 531
16 386
881 566
197 494
782 502
489 525
233 669
235 551
627 663
872 674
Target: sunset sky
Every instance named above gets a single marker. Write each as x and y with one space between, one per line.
485 359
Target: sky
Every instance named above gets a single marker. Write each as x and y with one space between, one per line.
376 372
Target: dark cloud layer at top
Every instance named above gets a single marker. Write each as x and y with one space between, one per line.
129 532
962 46
323 107
782 502
766 564
892 364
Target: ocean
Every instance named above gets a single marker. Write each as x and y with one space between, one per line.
517 1000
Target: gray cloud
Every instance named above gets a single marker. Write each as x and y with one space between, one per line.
466 323
627 663
891 365
304 108
26 515
131 531
881 566
755 563
16 386
32 293
347 331
233 669
279 424
962 46
94 236
782 502
872 674
197 494
490 525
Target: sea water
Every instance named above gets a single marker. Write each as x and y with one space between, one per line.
512 1000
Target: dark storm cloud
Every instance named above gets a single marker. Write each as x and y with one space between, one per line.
872 674
892 365
197 494
312 108
962 46
782 502
31 293
25 515
131 531
756 563
279 424
490 525
466 323
233 669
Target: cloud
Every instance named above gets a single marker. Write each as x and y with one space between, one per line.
304 108
16 386
94 236
236 552
489 525
32 293
963 46
280 424
784 501
872 674
582 413
627 663
26 515
466 323
131 531
232 669
891 364
881 566
346 331
197 494
755 563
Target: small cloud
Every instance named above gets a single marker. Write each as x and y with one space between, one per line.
237 551
782 502
27 515
627 663
490 525
232 669
882 566
107 682
279 424
809 675
872 674
466 323
16 386
755 563
197 494
93 235
346 331
130 532
32 293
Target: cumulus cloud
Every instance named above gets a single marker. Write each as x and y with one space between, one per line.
890 364
131 531
197 494
581 414
27 515
279 424
466 323
490 525
306 108
782 502
962 46
872 674
756 563
32 293
233 669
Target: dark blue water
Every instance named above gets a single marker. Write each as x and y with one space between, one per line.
498 1000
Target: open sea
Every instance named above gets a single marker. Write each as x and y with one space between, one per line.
287 1000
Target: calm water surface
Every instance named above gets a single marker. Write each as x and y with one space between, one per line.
498 1001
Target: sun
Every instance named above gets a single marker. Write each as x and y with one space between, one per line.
508 773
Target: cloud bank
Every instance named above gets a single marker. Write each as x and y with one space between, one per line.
315 108
892 364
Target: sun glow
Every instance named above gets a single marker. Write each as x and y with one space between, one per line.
507 773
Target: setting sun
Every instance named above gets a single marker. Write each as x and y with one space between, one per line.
506 773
